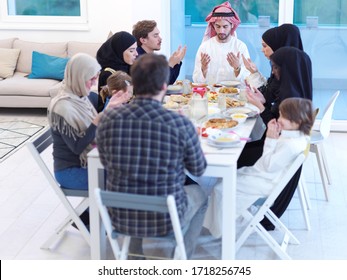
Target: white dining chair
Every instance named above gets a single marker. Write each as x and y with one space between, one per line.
304 199
36 147
254 218
301 189
317 143
149 203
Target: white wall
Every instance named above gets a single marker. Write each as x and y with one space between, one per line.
105 16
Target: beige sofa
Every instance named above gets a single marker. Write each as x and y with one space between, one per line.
17 90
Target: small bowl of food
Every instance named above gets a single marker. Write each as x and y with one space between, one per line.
239 117
223 140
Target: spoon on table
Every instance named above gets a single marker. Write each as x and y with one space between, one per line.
241 138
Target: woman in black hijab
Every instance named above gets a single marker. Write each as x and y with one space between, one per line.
285 35
292 71
117 53
295 72
267 94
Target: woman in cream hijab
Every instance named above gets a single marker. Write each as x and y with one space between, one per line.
73 121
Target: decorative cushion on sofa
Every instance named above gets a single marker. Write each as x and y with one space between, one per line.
8 62
46 66
27 48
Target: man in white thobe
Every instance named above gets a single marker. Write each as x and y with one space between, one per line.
219 55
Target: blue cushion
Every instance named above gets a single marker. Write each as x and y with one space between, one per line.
45 66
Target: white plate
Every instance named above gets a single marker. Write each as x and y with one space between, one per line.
212 110
199 85
223 140
232 94
230 83
249 109
220 116
232 144
174 89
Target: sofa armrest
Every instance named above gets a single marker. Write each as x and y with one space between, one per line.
7 43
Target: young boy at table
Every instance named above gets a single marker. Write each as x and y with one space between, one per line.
285 139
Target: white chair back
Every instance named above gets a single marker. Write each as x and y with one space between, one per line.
36 147
106 199
325 124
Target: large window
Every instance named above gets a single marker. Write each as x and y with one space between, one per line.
43 8
323 12
248 10
326 12
43 14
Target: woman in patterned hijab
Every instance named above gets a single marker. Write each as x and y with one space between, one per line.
73 121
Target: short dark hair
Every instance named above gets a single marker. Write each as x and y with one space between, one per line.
142 28
149 73
300 111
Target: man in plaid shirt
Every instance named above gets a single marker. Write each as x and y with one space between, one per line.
145 150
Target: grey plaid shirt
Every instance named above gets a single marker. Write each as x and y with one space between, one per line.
145 150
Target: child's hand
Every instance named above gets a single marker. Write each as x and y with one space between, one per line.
273 129
118 99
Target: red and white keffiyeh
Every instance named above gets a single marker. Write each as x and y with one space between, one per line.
222 11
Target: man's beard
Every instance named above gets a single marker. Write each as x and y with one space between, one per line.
222 36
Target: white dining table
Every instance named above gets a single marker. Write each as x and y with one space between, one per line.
221 163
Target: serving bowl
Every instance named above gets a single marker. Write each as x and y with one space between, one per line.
240 117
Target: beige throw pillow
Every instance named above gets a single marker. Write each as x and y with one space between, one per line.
8 62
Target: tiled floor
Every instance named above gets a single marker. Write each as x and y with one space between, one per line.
29 211
13 134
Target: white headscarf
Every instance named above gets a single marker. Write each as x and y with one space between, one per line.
71 112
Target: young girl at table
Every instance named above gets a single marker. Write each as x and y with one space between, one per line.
286 138
118 88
